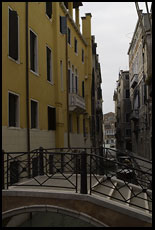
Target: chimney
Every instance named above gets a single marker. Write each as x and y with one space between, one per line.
77 17
86 26
70 7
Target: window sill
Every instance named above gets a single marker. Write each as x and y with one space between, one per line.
35 73
49 19
17 62
14 128
50 82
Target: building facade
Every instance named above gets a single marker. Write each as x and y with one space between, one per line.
96 99
123 111
140 72
109 130
46 76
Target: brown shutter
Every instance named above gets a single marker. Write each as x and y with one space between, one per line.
13 34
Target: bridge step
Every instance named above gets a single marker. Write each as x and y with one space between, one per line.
128 194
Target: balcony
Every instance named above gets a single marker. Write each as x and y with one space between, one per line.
134 81
76 103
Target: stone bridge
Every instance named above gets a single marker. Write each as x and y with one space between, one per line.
91 209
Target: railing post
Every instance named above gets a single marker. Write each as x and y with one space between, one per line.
83 172
90 170
101 166
3 169
7 185
41 163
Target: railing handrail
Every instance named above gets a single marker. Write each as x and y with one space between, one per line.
73 162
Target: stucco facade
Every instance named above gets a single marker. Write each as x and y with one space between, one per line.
46 76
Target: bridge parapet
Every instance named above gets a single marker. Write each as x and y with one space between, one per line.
99 172
97 209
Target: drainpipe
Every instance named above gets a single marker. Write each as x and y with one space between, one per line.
67 90
27 92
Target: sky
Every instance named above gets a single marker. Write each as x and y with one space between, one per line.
113 24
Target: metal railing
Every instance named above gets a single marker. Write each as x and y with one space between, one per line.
106 172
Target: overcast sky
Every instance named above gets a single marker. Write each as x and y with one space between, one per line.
113 24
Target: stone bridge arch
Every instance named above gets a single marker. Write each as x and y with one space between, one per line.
15 217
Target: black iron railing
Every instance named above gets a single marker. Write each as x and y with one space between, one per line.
105 172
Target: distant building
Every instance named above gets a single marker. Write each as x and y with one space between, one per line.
140 72
122 111
96 99
109 130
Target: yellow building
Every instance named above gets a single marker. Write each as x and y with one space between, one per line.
46 76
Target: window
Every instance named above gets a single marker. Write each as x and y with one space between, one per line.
49 9
69 36
13 110
84 127
63 25
33 52
128 132
72 79
49 64
69 80
82 56
78 127
75 45
76 82
70 123
82 88
61 74
13 35
51 118
34 114
127 77
127 92
127 117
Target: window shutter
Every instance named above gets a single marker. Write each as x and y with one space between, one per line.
83 89
69 80
33 114
75 45
69 36
82 55
63 25
51 118
49 9
76 86
54 119
12 110
48 63
32 43
13 34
